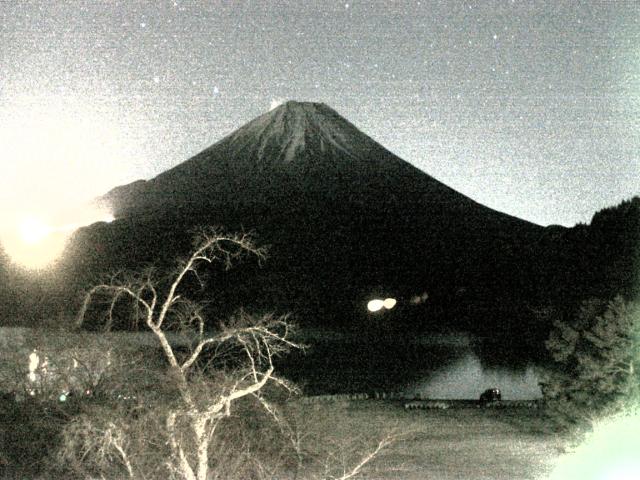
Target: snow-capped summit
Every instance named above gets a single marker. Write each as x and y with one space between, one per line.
301 148
296 127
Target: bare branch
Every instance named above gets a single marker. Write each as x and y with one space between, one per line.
114 300
184 466
383 443
225 401
264 330
114 291
191 425
196 353
209 247
116 441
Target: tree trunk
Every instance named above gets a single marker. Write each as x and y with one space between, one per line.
200 429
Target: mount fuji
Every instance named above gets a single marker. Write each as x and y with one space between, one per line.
344 220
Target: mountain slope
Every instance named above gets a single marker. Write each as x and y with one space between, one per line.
344 219
307 148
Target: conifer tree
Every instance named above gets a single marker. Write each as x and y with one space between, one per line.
596 362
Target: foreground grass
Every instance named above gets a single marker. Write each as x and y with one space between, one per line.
459 443
465 443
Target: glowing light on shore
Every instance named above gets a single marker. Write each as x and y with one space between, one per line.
389 303
378 304
375 305
34 360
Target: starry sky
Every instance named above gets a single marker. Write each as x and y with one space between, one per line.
529 107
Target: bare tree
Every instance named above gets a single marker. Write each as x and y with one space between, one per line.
209 375
191 423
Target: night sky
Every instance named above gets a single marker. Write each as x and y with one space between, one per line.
531 108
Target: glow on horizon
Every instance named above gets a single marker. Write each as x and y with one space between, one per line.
57 154
33 230
34 242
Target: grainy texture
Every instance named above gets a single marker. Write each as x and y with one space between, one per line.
454 444
527 107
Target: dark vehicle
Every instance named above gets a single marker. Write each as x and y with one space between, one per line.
489 396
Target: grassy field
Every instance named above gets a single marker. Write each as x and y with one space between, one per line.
467 443
462 443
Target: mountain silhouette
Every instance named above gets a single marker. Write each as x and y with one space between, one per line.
344 219
309 149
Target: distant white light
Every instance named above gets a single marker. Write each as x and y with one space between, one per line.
378 304
375 305
34 360
418 299
389 303
275 103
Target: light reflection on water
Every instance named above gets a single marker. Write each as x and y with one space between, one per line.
466 378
